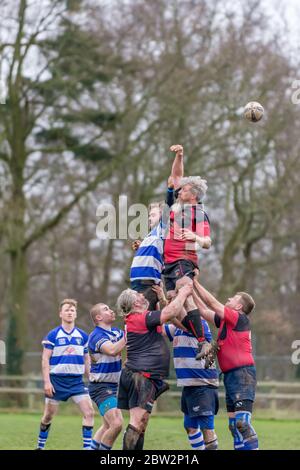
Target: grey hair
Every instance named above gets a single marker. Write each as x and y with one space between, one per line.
125 301
199 185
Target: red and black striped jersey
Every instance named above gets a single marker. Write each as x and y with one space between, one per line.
147 350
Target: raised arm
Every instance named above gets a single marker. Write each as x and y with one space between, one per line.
209 299
206 313
175 307
177 167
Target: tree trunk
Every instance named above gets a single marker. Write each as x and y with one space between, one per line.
17 314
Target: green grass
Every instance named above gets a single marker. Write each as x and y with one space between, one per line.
19 431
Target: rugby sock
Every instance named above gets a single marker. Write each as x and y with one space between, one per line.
43 435
95 445
193 324
131 438
196 440
104 446
238 442
140 443
87 432
244 426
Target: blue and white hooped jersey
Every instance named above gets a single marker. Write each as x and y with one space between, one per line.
104 368
68 351
190 372
147 263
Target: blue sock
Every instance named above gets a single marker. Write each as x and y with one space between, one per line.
43 435
238 442
250 438
95 445
87 433
104 446
196 440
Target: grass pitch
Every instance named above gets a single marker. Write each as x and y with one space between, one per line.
19 431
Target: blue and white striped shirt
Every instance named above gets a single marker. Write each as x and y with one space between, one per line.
104 368
147 263
190 372
68 351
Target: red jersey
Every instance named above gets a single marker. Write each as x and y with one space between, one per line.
192 218
234 339
147 350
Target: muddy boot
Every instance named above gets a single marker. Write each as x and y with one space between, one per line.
211 356
203 350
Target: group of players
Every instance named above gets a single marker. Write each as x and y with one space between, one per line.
179 228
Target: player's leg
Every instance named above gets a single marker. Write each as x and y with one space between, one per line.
207 426
241 383
142 393
135 432
85 405
107 435
243 415
209 403
51 407
194 433
97 439
189 401
192 321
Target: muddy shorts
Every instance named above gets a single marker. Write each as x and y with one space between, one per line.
136 390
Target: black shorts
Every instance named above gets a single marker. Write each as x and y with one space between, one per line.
240 385
136 390
174 271
199 401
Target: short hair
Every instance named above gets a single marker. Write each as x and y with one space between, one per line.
125 301
247 302
156 205
72 302
198 185
95 310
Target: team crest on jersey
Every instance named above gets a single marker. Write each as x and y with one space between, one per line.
61 341
78 341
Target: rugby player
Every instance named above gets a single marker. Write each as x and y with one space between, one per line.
148 360
65 360
199 399
189 230
105 346
147 264
235 359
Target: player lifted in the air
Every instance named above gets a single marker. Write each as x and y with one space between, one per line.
65 361
188 232
147 264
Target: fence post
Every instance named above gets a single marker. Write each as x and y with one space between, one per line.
273 399
30 384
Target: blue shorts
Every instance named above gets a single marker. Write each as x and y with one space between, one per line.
199 401
240 384
67 386
104 394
